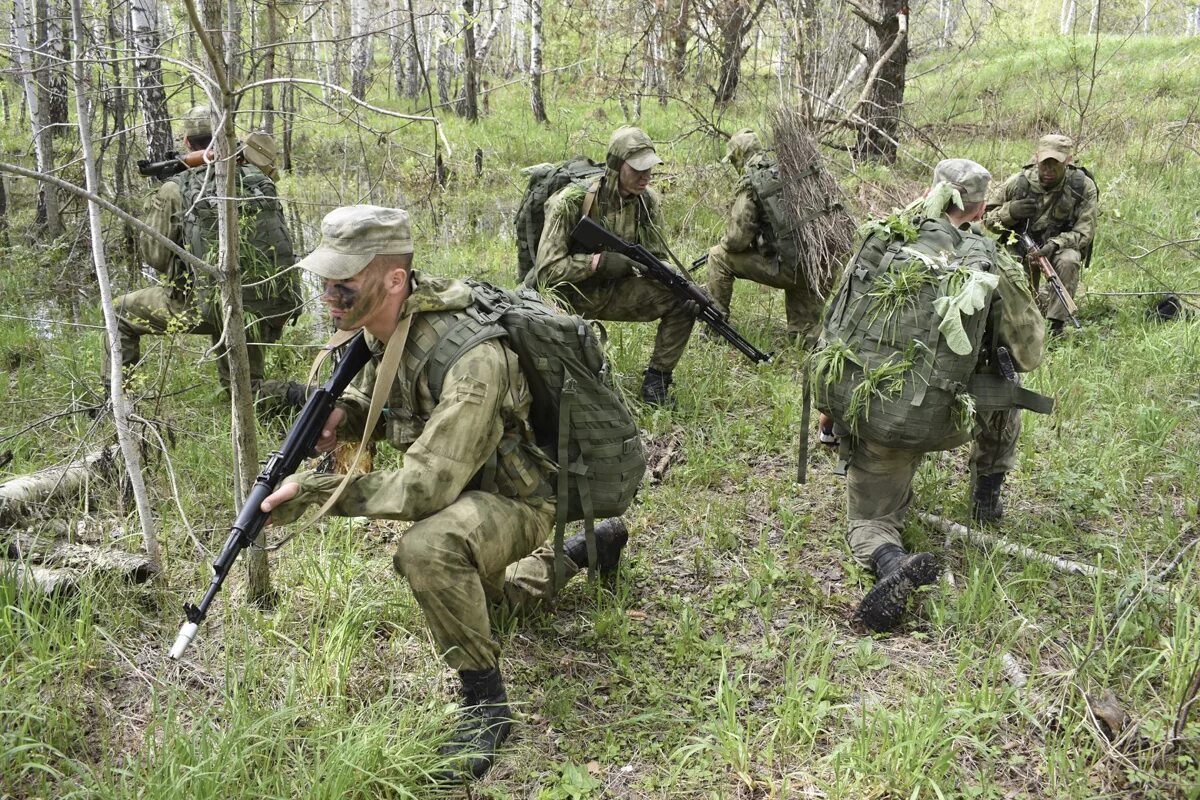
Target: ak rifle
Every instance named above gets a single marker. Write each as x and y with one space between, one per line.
596 238
300 441
1030 247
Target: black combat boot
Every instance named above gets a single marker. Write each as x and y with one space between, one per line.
611 536
897 574
1056 328
656 388
486 720
987 503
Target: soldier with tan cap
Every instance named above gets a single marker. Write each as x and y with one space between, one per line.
184 210
473 481
1056 203
607 286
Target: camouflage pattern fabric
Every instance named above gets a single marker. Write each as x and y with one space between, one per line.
466 545
1067 216
744 252
879 477
567 276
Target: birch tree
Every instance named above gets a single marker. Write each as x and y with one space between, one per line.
43 146
535 62
879 105
152 97
362 51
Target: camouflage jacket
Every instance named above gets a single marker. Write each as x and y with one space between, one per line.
1067 213
635 220
480 420
744 228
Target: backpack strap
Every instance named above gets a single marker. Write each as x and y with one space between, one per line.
590 198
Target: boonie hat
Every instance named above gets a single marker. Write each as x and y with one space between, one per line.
1056 146
742 145
351 236
969 178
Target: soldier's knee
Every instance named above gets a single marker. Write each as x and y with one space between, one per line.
424 551
1068 259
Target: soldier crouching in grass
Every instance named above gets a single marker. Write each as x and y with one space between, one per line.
920 350
473 482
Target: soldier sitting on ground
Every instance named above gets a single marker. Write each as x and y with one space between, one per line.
752 249
1055 202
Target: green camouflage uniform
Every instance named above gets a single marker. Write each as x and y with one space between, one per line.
1064 217
566 274
745 250
473 538
879 478
178 306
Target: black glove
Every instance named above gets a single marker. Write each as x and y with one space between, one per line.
614 265
1022 209
1047 250
694 308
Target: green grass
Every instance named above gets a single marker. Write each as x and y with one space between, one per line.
726 663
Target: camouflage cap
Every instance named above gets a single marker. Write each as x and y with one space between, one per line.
742 145
969 178
258 148
632 146
351 236
197 122
1056 146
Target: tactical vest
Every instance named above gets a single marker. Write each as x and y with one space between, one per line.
886 373
544 181
264 246
580 422
780 233
1062 217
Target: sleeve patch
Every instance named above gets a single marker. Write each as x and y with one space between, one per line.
469 390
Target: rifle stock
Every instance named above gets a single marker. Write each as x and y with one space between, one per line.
595 237
296 446
1064 297
161 170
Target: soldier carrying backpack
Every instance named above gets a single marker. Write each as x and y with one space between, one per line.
510 427
184 210
920 349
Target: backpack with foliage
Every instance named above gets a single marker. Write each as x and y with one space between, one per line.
762 176
544 181
264 246
579 419
904 332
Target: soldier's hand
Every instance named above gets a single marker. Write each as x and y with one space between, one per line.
612 265
1022 209
285 492
1047 250
328 438
694 307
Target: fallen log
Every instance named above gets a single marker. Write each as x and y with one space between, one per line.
43 580
54 484
32 549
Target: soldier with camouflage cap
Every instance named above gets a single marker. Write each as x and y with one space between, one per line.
606 286
1056 203
879 474
750 248
474 483
183 210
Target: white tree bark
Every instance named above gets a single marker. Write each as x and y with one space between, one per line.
43 149
519 18
1066 20
362 51
535 61
414 67
445 55
129 449
152 98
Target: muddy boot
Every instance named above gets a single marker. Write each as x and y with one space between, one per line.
987 504
486 720
897 574
611 536
656 388
1056 328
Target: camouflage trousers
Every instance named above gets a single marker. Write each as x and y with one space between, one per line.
803 306
157 311
636 299
879 481
483 547
1069 266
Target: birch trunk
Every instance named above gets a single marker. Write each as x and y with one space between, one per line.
362 51
268 94
535 62
519 18
152 97
414 68
445 55
468 106
43 147
129 449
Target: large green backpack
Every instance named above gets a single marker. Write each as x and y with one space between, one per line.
264 246
544 181
762 176
579 419
887 373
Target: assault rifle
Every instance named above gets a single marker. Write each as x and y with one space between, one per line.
1030 247
174 164
296 447
594 237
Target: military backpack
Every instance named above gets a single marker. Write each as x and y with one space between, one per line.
544 181
903 338
264 245
579 419
781 233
